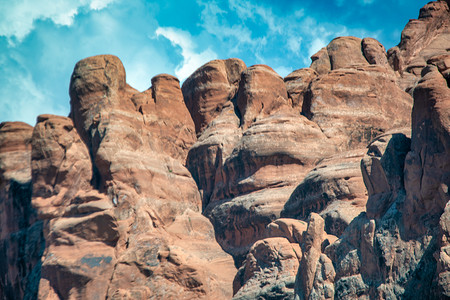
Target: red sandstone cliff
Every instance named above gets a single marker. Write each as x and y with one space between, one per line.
330 183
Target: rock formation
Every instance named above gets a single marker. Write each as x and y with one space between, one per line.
297 83
351 114
397 248
210 87
21 238
246 164
334 188
421 39
268 271
330 183
120 211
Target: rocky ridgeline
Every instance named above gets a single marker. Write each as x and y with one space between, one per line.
240 183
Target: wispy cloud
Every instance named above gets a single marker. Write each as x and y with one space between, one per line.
215 22
17 17
283 71
366 2
41 40
315 46
256 29
191 59
341 3
100 4
23 99
35 73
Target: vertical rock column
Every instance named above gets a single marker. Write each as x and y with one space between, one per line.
80 228
21 237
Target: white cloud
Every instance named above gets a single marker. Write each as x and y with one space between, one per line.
283 71
248 10
17 17
210 16
35 74
366 2
100 4
315 46
191 59
341 3
258 30
299 13
294 43
23 100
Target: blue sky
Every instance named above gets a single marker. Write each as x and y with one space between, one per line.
41 40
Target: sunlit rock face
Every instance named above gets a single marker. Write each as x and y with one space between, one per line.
122 214
330 183
270 135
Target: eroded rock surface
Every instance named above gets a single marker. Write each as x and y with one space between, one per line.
348 52
351 114
247 161
210 87
334 189
421 39
382 170
21 239
427 165
137 195
268 271
121 211
257 178
316 272
403 233
374 52
251 156
297 83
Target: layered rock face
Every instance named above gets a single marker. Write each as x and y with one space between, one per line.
209 88
382 253
240 183
21 238
421 41
352 105
249 159
121 212
334 188
271 135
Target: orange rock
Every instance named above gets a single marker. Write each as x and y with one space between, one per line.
291 229
257 178
354 105
410 225
421 39
138 224
120 212
348 52
209 88
261 91
60 160
21 238
212 148
334 189
315 277
321 61
427 164
297 83
268 270
382 170
345 52
374 52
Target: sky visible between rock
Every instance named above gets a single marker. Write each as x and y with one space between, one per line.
41 40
